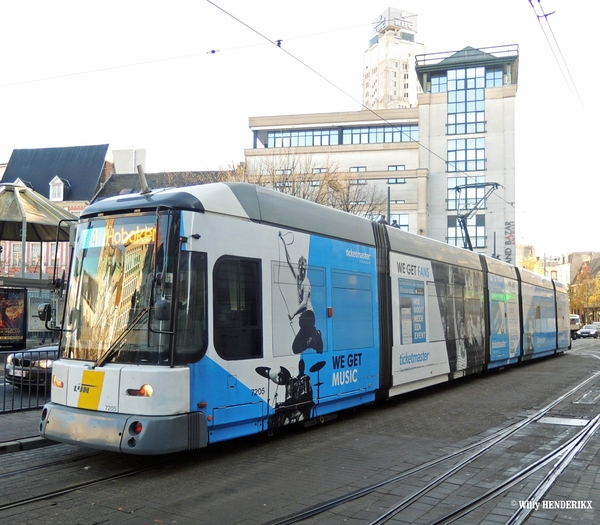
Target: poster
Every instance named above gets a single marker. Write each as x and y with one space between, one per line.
13 316
412 311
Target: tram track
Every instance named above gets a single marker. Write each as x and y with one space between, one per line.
562 454
75 475
60 462
87 468
74 487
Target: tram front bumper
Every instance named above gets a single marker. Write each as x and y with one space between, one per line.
131 434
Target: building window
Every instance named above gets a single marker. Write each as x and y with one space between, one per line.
303 138
16 254
439 83
36 255
466 101
380 134
494 77
319 170
466 155
396 167
396 180
401 221
475 227
56 191
397 201
357 169
286 171
468 197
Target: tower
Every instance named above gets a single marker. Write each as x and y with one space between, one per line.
389 77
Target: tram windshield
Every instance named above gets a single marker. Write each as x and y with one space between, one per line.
124 267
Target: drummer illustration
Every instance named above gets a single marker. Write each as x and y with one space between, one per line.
298 403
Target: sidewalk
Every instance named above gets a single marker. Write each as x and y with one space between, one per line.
20 431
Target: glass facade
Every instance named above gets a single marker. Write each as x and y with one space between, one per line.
466 154
380 134
466 101
302 138
346 136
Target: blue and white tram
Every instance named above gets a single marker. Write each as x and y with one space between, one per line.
201 314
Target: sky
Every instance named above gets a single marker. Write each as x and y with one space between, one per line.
182 78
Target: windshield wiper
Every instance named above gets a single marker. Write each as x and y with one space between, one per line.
116 346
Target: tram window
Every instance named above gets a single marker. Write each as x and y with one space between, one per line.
352 302
237 308
191 307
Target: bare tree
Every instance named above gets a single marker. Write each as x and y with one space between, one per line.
295 175
301 176
356 196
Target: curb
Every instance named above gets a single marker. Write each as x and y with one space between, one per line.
20 445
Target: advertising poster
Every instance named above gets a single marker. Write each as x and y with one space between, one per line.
419 346
504 313
412 311
13 316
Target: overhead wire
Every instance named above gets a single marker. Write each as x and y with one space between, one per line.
562 63
159 60
277 43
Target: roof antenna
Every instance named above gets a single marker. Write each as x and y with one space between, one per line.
143 182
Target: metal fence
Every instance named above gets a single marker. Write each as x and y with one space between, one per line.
25 378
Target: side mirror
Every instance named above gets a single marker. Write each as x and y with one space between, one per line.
45 311
162 310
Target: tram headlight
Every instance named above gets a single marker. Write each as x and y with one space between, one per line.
143 391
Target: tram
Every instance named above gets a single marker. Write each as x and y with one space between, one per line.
202 314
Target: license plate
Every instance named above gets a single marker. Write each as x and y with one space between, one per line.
21 373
